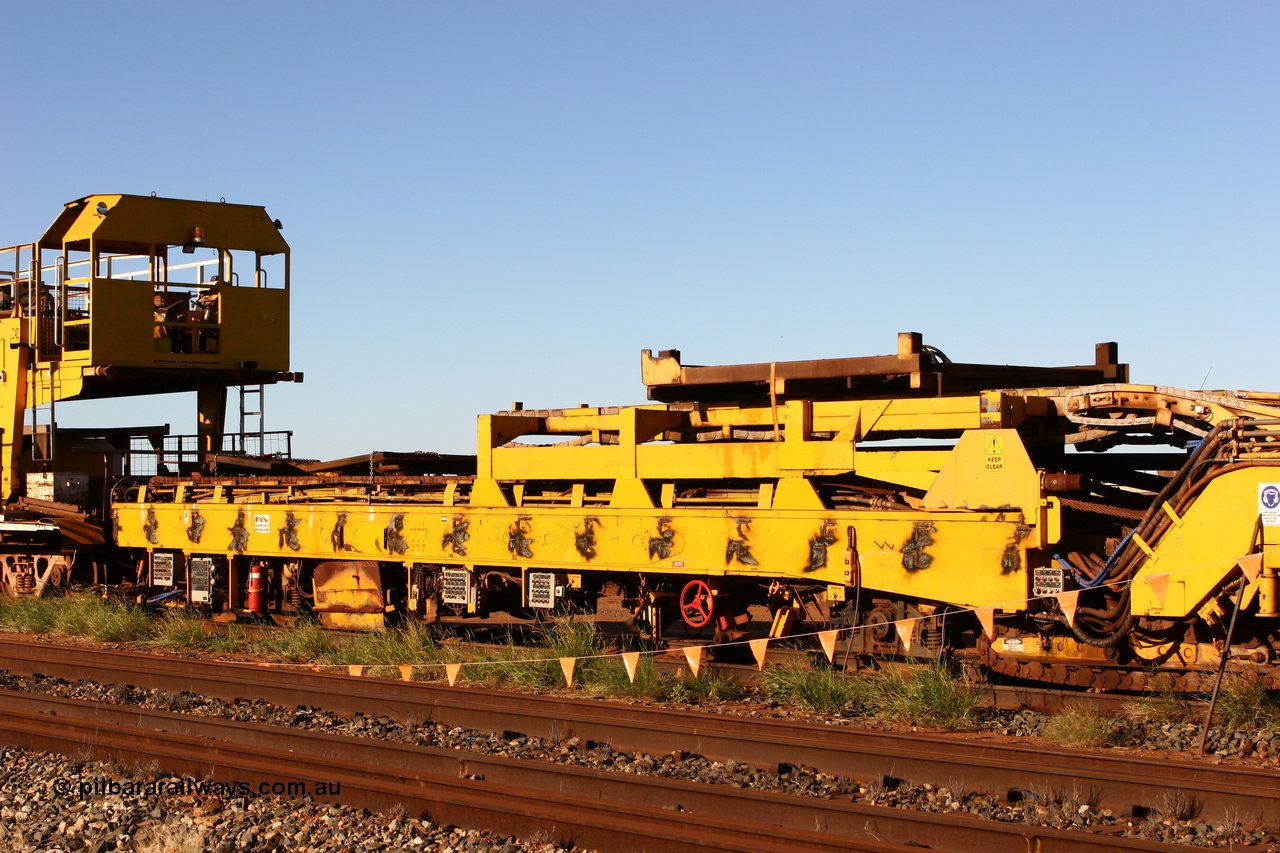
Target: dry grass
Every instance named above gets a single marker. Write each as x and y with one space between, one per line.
1079 725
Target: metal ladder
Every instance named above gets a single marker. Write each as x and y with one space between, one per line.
45 336
249 428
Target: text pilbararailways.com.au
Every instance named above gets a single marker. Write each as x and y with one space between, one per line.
184 786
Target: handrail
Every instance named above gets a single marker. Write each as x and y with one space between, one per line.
169 269
59 303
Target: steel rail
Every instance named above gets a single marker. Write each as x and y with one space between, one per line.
594 808
1127 784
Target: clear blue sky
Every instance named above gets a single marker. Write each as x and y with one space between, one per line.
491 202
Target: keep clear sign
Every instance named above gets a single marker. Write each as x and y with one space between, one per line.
1269 504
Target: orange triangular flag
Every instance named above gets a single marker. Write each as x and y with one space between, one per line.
759 649
451 671
987 616
693 654
1068 602
406 672
566 666
1159 585
355 670
828 640
1251 566
631 660
906 628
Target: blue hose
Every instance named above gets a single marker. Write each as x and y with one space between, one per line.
1086 583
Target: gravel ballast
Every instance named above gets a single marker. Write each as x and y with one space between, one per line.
1057 809
42 808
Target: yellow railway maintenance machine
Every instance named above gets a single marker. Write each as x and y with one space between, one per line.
124 295
857 491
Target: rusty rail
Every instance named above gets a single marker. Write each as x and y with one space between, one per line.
1127 784
592 808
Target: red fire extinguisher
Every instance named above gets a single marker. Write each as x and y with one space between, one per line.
257 598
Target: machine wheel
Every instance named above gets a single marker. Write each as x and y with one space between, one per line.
696 604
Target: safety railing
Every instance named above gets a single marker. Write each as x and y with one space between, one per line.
180 453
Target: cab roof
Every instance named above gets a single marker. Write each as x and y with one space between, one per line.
132 224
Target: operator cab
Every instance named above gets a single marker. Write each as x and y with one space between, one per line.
141 281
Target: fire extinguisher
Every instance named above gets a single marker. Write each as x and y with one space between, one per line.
257 598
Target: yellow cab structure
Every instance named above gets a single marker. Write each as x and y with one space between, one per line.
1101 524
124 295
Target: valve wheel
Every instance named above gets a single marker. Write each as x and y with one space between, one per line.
696 604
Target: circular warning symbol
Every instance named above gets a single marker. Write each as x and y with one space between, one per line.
1269 497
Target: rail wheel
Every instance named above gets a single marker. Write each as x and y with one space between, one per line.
696 604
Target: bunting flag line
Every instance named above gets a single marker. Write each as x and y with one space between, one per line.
1159 585
906 630
1251 566
1068 601
828 641
631 660
693 654
987 616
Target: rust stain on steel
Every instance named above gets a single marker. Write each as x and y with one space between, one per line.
239 535
740 549
151 526
1011 559
914 556
584 540
455 539
519 542
338 537
660 545
289 533
818 545
393 536
196 529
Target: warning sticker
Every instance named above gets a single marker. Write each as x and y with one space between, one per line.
995 453
261 523
1269 504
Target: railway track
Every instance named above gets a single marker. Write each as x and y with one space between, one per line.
594 809
1127 784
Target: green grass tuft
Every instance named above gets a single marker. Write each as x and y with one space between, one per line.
927 697
1079 725
1245 703
32 615
304 642
181 629
823 690
1163 705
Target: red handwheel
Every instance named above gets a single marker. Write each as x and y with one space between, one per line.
696 605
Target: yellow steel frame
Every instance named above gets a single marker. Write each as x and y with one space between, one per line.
611 497
115 328
966 554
